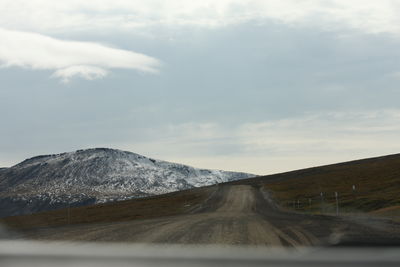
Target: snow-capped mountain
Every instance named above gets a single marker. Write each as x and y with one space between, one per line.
95 176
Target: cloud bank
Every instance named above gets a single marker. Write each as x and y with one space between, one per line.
68 59
46 15
272 146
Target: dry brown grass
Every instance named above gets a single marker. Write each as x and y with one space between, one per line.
377 182
150 207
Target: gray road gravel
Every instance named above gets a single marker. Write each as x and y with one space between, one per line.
232 215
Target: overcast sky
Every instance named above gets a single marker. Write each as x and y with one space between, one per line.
255 86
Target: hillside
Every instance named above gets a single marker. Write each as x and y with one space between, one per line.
95 176
376 179
376 186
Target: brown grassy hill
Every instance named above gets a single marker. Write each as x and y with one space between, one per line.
136 209
376 181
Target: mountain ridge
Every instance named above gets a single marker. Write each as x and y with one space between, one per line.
96 175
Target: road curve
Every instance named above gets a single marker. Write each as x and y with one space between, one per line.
232 215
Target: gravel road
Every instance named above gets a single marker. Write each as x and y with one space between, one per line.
232 215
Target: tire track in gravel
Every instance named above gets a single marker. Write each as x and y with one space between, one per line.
231 215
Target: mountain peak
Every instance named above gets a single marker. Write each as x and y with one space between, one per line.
101 175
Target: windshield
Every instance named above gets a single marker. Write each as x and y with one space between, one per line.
224 123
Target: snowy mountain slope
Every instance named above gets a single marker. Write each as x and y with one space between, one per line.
95 176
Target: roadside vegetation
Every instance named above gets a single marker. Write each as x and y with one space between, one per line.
370 185
128 210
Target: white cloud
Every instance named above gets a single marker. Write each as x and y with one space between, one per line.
86 72
370 16
277 145
345 133
68 58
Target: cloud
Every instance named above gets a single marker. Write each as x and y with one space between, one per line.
325 133
47 15
68 58
277 145
85 72
261 147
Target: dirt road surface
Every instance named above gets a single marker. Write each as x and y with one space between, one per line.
232 215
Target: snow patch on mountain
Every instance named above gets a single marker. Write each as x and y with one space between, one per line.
96 176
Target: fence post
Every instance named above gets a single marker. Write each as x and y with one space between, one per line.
337 204
322 202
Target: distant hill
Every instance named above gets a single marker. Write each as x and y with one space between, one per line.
95 176
376 184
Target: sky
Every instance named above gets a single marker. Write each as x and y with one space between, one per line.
253 86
